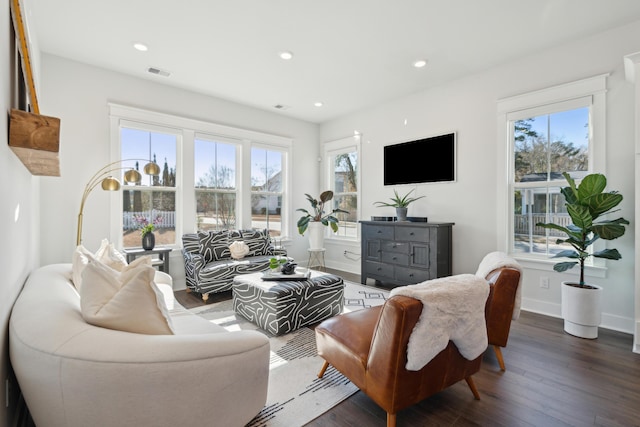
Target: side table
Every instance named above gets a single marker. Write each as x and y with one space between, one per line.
162 261
316 256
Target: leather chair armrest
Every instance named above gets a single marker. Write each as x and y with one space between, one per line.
500 304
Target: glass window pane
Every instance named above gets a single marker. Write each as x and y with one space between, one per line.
569 144
545 146
215 210
345 173
214 165
143 146
141 207
266 170
348 225
265 213
534 205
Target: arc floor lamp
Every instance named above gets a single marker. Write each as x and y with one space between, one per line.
110 183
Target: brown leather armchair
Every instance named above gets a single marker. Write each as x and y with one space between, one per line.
370 347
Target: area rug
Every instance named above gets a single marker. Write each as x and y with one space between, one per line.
296 395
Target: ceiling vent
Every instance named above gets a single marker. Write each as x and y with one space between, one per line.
158 71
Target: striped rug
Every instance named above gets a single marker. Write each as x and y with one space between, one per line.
296 395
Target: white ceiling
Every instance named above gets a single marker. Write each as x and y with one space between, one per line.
349 54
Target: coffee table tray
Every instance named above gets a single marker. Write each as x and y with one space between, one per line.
302 275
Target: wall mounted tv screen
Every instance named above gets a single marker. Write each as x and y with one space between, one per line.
424 160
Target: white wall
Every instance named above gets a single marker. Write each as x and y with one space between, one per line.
468 106
18 214
78 94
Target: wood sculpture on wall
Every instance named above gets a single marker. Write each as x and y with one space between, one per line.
34 138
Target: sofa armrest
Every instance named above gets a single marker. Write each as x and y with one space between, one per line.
193 263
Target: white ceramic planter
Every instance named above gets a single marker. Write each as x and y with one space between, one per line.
581 310
316 235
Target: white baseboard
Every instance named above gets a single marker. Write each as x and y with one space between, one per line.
609 321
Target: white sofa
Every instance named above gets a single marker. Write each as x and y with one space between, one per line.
74 374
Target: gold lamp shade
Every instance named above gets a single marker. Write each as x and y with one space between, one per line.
110 184
152 169
132 176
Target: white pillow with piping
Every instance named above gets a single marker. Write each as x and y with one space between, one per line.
126 301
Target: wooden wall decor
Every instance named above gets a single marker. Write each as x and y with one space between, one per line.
33 137
36 141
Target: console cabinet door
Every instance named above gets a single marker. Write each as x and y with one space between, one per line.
420 255
372 250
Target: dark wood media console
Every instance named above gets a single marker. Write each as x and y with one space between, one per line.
405 253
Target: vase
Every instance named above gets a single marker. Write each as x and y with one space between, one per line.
401 214
148 241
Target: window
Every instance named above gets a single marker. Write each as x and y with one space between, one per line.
207 179
544 147
215 184
267 187
343 175
548 132
152 200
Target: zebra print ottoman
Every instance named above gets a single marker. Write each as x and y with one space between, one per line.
284 306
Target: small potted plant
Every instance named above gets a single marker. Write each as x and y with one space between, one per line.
400 203
317 218
146 230
585 204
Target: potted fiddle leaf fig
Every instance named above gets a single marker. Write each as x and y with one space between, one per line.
317 219
400 203
586 204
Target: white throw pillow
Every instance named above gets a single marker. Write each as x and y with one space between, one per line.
126 301
106 253
238 249
110 256
80 259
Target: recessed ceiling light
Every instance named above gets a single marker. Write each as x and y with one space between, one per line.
318 104
420 63
286 55
141 47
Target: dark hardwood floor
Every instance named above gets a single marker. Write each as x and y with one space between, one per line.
552 379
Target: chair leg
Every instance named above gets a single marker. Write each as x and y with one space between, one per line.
498 352
391 419
324 368
473 388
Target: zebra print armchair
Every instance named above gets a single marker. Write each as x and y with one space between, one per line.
208 265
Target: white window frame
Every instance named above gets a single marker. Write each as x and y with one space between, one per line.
185 181
331 148
591 91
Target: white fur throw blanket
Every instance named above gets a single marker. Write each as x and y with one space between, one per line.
453 309
494 260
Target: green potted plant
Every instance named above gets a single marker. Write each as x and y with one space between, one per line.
585 204
317 218
146 230
400 203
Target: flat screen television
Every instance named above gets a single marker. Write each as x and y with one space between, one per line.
430 159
